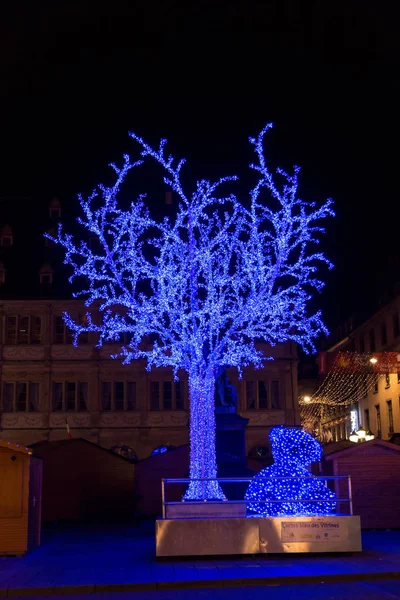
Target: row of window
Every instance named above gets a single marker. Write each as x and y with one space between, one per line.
6 232
69 396
28 329
387 384
383 334
259 397
45 274
121 396
378 418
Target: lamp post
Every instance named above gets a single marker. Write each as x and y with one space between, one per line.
361 435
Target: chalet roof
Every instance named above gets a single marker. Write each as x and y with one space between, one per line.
360 447
331 447
37 446
160 457
15 447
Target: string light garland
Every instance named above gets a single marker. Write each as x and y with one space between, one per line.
205 284
340 389
293 450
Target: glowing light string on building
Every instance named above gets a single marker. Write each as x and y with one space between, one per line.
340 388
293 450
205 284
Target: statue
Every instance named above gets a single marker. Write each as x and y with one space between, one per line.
225 392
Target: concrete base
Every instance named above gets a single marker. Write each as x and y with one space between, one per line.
205 510
271 535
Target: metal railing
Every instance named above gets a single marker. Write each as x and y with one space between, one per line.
187 481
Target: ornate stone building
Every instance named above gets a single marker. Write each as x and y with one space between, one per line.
46 382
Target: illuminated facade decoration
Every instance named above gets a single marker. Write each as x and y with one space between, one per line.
364 394
293 450
205 284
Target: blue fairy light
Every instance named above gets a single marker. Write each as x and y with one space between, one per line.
293 450
205 284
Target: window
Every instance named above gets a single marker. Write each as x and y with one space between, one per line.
251 396
20 396
166 395
63 335
2 274
378 421
396 325
398 377
390 416
361 344
6 237
376 389
55 209
372 340
262 395
367 425
70 396
179 395
46 274
257 397
118 395
155 395
23 329
275 394
162 449
119 389
125 451
387 381
383 334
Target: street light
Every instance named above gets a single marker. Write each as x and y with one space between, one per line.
361 433
361 436
373 360
307 399
353 437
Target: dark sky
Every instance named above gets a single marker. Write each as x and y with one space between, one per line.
75 78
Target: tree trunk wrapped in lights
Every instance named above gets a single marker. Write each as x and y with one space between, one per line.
206 284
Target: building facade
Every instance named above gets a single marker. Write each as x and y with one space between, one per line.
378 408
46 382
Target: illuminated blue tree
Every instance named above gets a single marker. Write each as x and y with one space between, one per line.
289 479
205 284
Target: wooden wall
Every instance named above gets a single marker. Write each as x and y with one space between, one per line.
14 492
150 471
83 481
375 477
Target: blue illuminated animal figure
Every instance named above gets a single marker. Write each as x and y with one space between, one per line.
293 450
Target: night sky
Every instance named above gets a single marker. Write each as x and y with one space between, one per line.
75 80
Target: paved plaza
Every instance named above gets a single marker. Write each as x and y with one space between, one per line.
106 558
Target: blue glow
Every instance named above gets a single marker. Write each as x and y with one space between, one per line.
293 450
161 450
205 284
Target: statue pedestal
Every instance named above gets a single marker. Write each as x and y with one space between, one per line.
205 510
230 440
271 535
